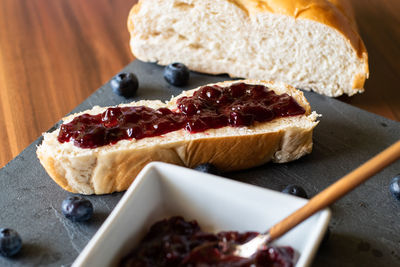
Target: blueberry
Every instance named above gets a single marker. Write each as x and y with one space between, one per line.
77 209
295 190
125 84
208 168
10 242
395 186
176 74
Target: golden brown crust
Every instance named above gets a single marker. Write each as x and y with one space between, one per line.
359 81
49 164
134 10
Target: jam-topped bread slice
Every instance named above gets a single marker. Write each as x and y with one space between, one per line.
233 125
310 44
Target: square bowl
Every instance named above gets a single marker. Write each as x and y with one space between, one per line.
218 204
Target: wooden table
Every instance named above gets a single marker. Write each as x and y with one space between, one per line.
54 54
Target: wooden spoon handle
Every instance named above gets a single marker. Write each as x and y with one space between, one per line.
337 190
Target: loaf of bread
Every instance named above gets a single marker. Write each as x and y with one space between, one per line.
310 44
111 168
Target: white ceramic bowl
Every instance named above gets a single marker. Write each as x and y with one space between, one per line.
162 190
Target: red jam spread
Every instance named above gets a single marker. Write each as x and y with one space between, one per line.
176 242
210 107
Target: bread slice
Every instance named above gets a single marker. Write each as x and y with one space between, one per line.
112 168
310 44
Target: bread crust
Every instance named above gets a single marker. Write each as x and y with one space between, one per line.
113 168
336 14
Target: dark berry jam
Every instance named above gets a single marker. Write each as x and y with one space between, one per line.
210 107
176 242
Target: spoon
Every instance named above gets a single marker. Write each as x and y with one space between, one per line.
320 201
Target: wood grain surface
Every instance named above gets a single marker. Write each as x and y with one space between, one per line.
54 54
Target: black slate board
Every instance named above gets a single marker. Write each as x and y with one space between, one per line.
365 227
